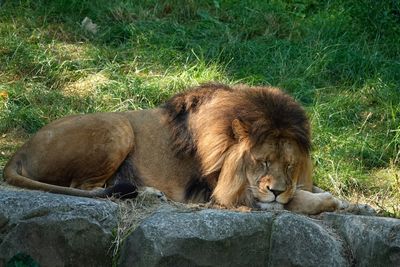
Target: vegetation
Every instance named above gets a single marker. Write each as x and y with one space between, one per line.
340 59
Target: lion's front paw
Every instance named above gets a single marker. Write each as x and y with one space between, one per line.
269 206
327 202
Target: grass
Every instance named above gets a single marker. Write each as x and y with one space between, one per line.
131 213
340 59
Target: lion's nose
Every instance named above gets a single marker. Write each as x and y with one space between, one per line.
276 192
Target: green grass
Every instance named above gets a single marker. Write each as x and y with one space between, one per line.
340 59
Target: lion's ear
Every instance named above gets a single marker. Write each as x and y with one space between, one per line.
240 130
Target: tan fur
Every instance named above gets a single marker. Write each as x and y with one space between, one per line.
83 152
242 143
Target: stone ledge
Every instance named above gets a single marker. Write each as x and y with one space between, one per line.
58 230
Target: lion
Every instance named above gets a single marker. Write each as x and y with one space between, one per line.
229 145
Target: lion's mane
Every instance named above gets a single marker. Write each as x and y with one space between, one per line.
203 125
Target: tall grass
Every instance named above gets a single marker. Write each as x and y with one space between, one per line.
340 59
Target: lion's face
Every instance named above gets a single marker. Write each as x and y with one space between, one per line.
271 170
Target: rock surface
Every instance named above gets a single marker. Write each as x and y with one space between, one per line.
373 241
227 238
57 230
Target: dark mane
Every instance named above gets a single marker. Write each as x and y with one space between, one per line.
263 112
266 111
178 109
271 112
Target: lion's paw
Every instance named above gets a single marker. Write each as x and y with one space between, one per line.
270 206
152 193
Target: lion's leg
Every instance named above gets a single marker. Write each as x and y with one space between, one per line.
103 152
230 190
320 201
91 182
313 203
98 178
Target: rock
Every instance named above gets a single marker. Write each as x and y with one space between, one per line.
300 241
56 230
373 241
227 238
203 238
42 229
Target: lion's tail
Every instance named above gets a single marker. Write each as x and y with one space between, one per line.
13 176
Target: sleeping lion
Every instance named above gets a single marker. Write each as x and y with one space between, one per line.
234 146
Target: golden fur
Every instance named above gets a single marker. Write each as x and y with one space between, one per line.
233 145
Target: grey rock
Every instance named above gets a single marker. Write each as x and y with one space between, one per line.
226 238
202 238
373 241
300 241
56 230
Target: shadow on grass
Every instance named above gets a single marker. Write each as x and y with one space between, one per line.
301 45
